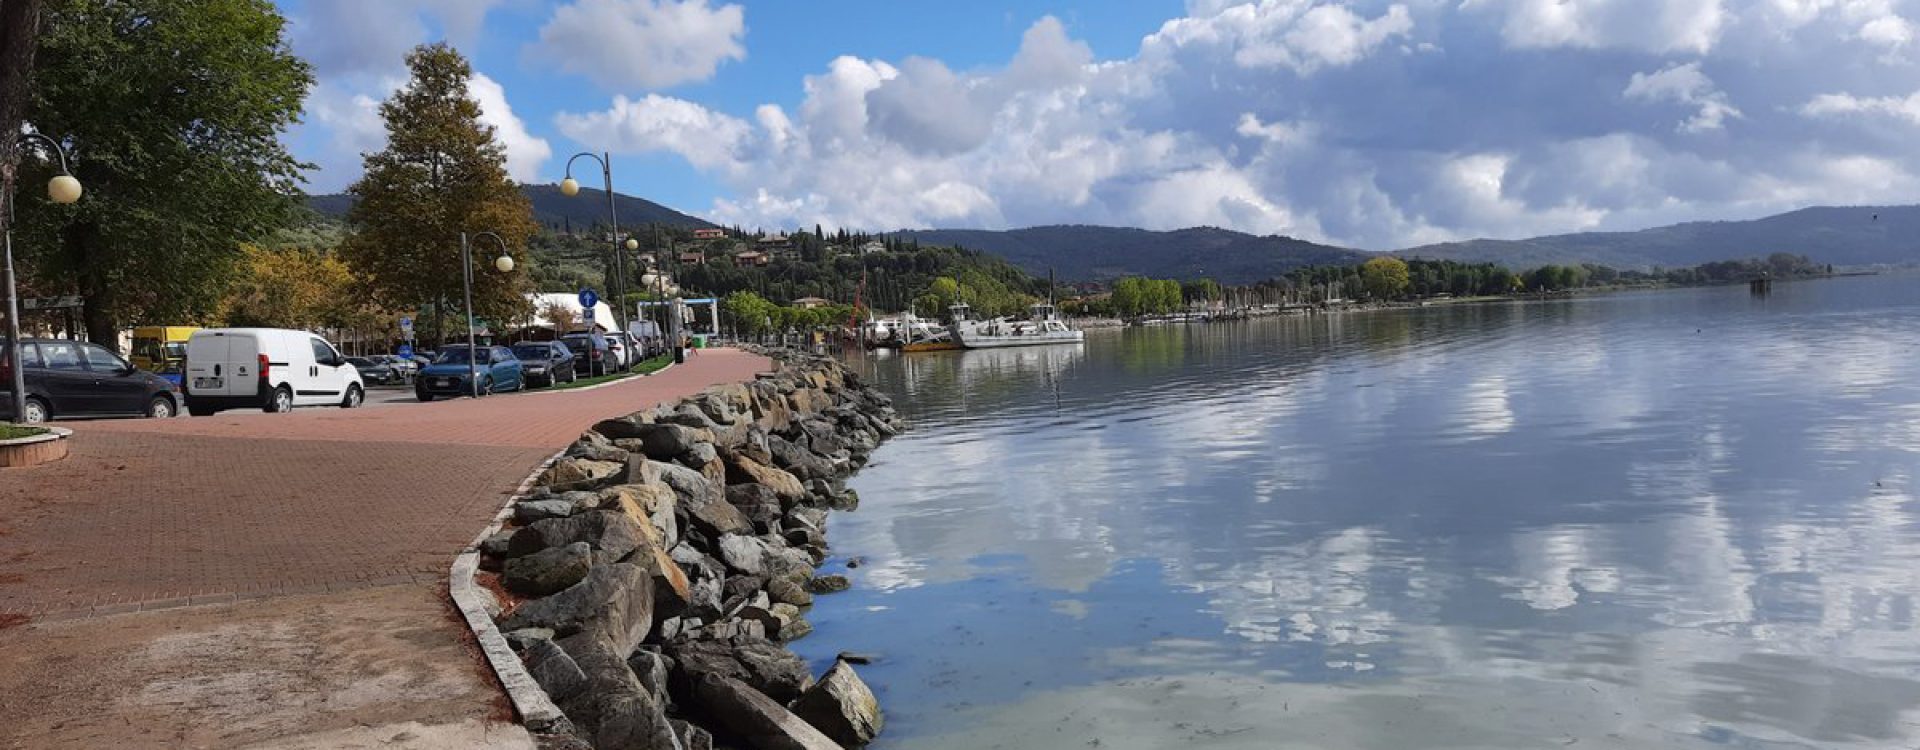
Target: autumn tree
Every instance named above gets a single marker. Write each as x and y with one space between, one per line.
294 288
1384 278
173 111
442 173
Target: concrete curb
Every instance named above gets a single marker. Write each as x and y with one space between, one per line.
597 386
536 709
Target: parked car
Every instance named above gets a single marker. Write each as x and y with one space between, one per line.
402 366
273 369
636 350
495 367
591 353
618 353
374 373
546 362
73 379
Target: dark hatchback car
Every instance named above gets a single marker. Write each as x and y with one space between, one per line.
591 353
374 373
546 362
75 378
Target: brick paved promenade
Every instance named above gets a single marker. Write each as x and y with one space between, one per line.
284 524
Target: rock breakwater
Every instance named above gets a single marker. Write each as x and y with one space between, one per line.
654 573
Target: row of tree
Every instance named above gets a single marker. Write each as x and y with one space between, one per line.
750 314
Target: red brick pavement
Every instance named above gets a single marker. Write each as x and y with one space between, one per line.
149 514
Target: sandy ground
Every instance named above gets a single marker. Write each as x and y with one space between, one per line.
368 668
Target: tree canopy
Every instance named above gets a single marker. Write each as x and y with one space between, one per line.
173 111
442 173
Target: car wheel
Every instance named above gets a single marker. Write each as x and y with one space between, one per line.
423 396
160 407
280 401
355 397
36 412
486 387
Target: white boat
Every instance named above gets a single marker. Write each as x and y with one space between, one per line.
1042 326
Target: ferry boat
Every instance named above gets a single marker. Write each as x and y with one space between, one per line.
910 333
1042 326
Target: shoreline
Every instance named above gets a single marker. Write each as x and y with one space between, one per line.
643 588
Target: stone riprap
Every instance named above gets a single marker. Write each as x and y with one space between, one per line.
670 553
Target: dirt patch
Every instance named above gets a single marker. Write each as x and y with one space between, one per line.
234 675
13 620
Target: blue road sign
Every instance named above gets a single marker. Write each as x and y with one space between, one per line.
588 299
404 350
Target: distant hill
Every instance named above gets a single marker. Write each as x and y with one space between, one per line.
552 209
1099 253
1840 236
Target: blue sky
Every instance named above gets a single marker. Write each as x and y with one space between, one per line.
1372 124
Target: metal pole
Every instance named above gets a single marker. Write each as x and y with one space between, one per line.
466 278
619 255
18 372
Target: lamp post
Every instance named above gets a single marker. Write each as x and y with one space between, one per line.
570 187
503 264
63 188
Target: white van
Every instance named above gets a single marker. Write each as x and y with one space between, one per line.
269 368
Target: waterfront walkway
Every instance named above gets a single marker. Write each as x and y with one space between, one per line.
250 578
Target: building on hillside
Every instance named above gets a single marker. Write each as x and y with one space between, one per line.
873 246
693 258
709 234
809 303
749 258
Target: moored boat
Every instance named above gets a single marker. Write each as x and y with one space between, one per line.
1042 326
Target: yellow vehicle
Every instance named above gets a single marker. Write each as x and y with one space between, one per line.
161 349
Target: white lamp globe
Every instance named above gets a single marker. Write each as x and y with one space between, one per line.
63 189
504 263
569 187
633 244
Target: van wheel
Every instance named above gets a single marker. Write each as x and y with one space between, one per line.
200 411
160 407
354 397
280 401
36 412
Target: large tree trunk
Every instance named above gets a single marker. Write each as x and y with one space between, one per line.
19 37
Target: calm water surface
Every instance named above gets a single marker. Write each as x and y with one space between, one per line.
1671 519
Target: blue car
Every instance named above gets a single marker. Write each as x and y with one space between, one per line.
496 367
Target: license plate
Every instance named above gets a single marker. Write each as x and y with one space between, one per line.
209 383
446 382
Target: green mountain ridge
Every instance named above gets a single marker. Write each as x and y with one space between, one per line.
556 211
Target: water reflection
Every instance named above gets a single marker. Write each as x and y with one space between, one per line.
1675 519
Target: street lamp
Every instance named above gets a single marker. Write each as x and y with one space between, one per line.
63 188
503 264
570 187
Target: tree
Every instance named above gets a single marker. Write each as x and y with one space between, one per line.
293 288
173 111
442 173
560 315
1384 278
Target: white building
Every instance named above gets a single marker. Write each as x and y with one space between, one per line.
602 313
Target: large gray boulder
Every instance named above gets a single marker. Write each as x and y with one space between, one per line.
606 531
651 506
689 484
659 441
744 470
579 474
841 707
758 662
529 511
614 711
798 460
745 554
755 718
548 570
614 603
691 737
759 504
556 672
716 518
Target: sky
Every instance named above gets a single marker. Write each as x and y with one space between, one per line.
1377 125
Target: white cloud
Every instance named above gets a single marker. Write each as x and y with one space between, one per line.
629 45
526 154
1685 84
1652 25
1369 124
372 36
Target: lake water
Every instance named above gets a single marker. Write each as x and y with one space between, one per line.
1666 519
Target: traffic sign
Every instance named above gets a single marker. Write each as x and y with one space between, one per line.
588 299
404 350
406 327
